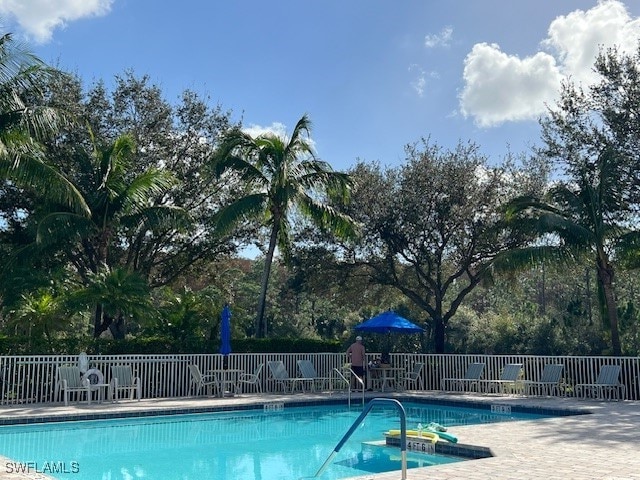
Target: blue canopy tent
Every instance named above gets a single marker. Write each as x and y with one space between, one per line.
225 334
388 322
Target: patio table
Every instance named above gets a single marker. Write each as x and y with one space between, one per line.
225 378
386 375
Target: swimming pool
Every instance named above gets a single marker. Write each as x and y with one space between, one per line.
260 444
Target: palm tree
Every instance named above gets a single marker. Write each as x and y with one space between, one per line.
119 293
585 216
283 177
24 120
122 209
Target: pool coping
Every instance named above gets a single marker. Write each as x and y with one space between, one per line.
291 402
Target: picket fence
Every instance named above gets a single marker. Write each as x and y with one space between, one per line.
32 379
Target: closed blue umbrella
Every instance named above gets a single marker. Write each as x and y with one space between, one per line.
225 331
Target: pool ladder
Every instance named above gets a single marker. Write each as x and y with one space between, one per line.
360 380
356 424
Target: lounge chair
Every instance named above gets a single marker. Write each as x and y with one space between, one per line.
251 379
123 381
509 378
279 374
70 380
308 372
198 380
549 383
470 380
605 386
411 377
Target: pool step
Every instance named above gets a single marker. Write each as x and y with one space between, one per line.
440 447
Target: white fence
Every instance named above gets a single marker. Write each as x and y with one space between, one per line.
32 379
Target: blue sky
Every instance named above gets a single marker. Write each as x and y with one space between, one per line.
372 75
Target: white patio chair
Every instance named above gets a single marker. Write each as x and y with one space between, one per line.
469 381
199 381
251 379
509 378
549 382
278 374
605 385
70 381
123 381
308 372
411 377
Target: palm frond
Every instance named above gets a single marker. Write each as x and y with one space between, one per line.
157 218
55 227
117 290
628 249
242 209
525 258
27 170
328 218
145 187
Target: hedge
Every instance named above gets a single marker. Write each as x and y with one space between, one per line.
161 345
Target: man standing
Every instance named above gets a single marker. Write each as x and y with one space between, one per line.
356 356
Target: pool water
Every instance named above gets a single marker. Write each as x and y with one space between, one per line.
291 443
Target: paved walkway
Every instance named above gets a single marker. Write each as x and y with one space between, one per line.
602 445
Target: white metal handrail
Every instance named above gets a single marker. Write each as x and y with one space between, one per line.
356 424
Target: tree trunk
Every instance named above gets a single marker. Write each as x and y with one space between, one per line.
103 322
117 328
260 330
605 276
438 334
98 324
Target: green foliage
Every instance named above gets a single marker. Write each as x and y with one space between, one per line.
283 179
591 134
432 228
285 345
112 237
26 120
187 317
19 345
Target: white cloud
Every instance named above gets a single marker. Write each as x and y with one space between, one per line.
276 128
499 87
420 81
441 39
578 36
39 18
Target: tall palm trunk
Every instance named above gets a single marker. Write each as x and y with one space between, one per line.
260 324
605 277
101 321
98 324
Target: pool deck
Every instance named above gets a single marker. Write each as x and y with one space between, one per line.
602 445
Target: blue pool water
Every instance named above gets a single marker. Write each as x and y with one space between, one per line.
251 445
